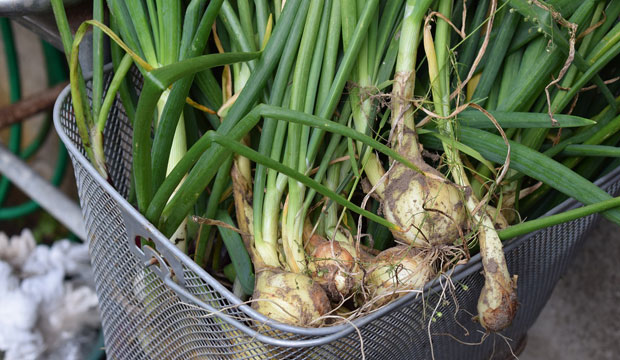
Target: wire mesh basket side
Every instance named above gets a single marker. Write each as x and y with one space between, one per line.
144 318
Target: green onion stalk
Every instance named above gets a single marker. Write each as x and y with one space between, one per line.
406 194
158 31
497 303
316 85
272 279
282 293
429 190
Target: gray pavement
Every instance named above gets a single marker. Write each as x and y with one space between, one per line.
582 318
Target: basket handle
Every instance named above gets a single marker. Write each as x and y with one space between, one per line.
161 261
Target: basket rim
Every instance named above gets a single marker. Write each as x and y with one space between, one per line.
320 335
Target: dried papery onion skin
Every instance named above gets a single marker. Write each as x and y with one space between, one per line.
396 270
333 265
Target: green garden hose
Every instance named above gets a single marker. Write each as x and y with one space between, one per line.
56 73
15 94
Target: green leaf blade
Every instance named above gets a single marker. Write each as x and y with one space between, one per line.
508 120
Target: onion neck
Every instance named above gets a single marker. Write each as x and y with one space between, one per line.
404 80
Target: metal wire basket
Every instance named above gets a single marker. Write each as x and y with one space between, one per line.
173 309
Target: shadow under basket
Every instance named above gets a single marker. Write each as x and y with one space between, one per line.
173 309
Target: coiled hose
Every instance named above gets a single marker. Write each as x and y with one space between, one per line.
56 73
